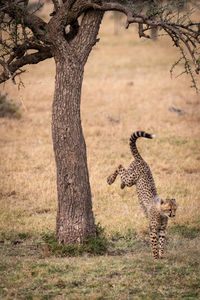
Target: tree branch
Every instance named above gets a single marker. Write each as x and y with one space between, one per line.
183 35
86 36
33 22
114 7
33 58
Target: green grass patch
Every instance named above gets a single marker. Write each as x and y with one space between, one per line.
92 245
14 237
127 271
185 231
128 235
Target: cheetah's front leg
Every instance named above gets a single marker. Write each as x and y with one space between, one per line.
154 241
112 177
162 236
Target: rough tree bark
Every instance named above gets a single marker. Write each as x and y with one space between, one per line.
75 219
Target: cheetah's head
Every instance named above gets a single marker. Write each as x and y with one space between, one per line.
168 207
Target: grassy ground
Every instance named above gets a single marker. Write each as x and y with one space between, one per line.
127 87
126 272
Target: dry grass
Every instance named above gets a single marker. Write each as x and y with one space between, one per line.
127 87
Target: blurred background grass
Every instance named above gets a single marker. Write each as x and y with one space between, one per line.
127 87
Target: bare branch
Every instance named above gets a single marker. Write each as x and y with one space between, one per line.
36 24
6 69
141 31
33 58
114 7
184 33
18 74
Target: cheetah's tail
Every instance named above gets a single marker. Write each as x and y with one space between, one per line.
133 139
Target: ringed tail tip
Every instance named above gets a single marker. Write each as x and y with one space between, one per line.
138 134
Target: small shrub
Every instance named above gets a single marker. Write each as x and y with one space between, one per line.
93 245
8 109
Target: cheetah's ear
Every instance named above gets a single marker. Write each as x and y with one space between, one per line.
174 200
171 199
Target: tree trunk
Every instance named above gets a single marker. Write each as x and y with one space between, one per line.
74 216
75 220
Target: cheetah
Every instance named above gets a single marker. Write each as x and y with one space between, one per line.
157 210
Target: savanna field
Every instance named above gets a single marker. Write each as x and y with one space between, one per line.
127 87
